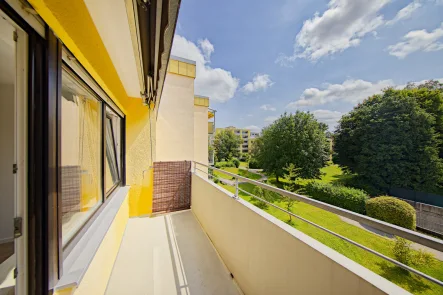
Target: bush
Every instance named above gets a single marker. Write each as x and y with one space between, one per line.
392 210
220 165
230 164
236 162
253 164
403 253
341 196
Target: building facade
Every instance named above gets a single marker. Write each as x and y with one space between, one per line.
96 119
247 137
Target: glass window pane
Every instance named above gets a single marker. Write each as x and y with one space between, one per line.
112 142
80 153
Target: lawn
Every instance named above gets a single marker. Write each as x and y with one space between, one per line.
238 171
410 282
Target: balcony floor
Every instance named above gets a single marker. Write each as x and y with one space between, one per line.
168 254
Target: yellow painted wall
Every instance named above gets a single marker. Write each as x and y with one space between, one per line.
74 26
96 277
175 122
72 23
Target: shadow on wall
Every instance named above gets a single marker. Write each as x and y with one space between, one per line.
196 265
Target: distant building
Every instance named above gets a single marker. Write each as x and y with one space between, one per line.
248 136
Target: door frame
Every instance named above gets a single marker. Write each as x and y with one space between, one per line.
44 258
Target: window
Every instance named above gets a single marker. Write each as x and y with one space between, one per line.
113 154
86 164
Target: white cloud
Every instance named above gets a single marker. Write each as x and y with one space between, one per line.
206 47
419 40
216 83
259 82
351 91
405 12
271 119
341 26
268 107
253 128
328 117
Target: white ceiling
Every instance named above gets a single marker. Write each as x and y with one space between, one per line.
111 21
7 53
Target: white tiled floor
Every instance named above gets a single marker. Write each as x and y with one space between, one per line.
168 254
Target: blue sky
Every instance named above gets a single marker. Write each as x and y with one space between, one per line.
258 59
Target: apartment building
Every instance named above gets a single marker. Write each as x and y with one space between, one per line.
247 136
105 186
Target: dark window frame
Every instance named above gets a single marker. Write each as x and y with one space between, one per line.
105 196
119 172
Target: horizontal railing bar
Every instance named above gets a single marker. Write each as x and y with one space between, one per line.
419 238
419 273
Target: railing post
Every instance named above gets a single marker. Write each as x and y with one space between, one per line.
236 188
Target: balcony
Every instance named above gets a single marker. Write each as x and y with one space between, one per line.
211 127
226 245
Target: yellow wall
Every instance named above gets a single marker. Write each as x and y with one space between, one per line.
74 26
267 256
175 121
72 23
96 277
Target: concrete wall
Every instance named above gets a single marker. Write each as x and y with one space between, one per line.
201 134
267 256
6 162
175 121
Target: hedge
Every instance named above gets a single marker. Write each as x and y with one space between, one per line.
392 210
341 196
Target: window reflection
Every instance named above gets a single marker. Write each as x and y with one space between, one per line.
80 155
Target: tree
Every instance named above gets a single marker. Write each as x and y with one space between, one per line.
293 138
226 145
291 176
392 140
263 194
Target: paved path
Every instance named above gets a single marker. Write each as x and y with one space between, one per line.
437 254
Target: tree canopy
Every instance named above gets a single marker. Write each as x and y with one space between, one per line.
226 145
394 139
297 139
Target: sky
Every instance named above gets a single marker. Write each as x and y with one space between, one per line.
258 59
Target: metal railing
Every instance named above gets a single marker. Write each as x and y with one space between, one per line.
377 224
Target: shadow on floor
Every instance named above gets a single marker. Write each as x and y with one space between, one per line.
199 264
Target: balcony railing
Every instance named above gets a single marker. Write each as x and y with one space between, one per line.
413 236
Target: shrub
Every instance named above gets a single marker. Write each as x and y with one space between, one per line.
253 164
402 251
216 180
341 196
405 254
224 164
229 164
392 210
236 162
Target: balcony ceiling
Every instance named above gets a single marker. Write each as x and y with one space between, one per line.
111 20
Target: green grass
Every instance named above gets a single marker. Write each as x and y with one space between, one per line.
237 171
410 282
243 164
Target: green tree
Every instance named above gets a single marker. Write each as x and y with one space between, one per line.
392 140
226 145
293 138
291 176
